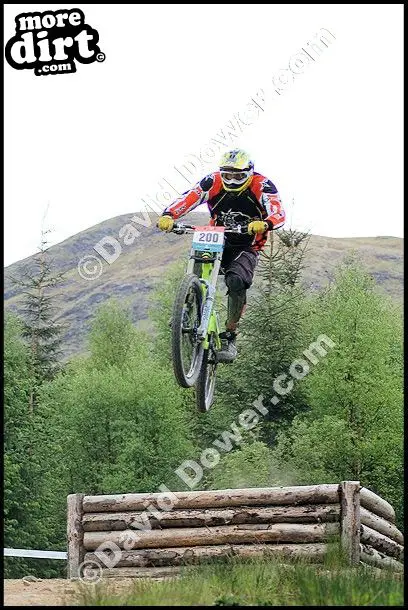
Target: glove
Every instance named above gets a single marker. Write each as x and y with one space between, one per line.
257 226
165 223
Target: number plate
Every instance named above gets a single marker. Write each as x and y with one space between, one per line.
209 238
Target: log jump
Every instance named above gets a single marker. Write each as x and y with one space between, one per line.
147 534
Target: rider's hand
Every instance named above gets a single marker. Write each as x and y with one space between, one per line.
257 226
165 223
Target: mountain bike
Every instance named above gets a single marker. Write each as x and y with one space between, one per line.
195 324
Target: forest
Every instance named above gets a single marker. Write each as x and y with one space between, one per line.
113 419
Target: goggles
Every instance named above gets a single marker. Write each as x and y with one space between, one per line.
235 177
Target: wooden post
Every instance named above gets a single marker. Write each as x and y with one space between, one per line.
350 520
75 534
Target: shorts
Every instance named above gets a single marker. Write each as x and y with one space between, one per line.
241 261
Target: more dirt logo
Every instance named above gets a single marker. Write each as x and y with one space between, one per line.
51 42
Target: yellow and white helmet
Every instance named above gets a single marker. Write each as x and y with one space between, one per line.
237 169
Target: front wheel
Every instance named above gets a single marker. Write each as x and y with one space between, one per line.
205 386
187 350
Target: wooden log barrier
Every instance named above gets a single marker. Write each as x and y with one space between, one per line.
223 534
151 573
381 543
309 513
376 558
188 555
155 534
375 504
350 520
380 525
75 535
302 494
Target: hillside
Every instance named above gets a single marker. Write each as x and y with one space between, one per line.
133 275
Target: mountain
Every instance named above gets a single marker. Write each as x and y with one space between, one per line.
141 264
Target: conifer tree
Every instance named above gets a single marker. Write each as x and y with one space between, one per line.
271 332
39 313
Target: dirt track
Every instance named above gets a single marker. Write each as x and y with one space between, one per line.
52 592
47 592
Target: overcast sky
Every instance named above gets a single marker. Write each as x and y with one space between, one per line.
327 129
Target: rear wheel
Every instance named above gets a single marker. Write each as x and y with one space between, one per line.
205 386
187 350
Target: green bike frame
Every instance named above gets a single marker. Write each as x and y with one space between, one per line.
209 274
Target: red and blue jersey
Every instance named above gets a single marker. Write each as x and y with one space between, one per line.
259 201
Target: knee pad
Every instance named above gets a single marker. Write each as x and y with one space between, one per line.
234 282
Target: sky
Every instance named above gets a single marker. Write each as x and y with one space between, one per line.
180 84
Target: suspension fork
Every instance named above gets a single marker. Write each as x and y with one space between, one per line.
209 319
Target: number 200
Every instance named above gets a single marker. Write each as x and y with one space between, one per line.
209 237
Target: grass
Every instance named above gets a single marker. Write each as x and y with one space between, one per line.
257 582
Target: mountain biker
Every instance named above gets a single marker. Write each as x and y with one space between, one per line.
235 194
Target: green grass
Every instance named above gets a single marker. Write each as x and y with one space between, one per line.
258 582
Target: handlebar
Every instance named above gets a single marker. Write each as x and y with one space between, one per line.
181 228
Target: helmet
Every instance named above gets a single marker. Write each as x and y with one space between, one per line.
236 170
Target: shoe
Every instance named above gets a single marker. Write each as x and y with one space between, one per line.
228 351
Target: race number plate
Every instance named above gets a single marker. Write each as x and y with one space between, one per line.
209 238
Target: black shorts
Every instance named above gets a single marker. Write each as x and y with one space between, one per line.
242 261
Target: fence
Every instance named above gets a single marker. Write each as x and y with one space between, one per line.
117 535
35 554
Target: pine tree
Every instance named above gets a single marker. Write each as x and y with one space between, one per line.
25 525
271 333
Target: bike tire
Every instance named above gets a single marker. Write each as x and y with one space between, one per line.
186 376
205 386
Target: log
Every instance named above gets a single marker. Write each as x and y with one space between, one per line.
75 535
376 558
176 556
224 534
350 520
380 525
380 573
301 494
161 573
375 504
311 513
381 543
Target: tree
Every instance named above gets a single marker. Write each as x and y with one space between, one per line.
354 429
39 313
112 335
161 309
32 354
248 466
117 416
272 334
24 526
17 387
